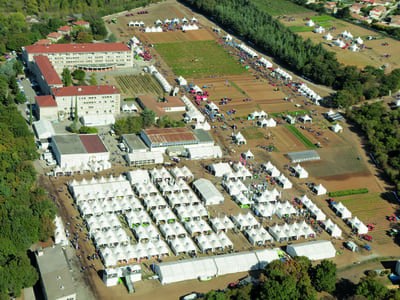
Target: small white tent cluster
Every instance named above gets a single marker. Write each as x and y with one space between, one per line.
258 236
264 62
245 221
267 196
283 181
264 123
221 224
271 169
136 24
250 52
281 209
161 79
192 113
339 43
283 74
153 29
214 242
312 208
328 37
129 108
289 232
347 35
358 226
309 93
257 115
310 23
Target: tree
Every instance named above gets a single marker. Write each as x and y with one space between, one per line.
283 288
93 79
324 276
86 130
79 75
371 289
84 37
66 77
148 117
112 38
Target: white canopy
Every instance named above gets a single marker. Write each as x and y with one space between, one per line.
197 227
316 250
258 236
319 189
332 229
284 181
182 245
173 230
341 210
220 169
337 128
300 171
245 221
359 226
221 223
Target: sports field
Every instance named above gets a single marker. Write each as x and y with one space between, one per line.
199 59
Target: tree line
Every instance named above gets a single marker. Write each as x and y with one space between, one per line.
298 279
26 213
301 56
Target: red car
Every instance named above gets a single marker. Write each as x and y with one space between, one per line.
367 237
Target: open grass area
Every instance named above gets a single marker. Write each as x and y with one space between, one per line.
279 7
306 142
366 206
301 28
199 59
291 113
323 20
252 133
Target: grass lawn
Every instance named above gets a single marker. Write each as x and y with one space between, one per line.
301 28
199 59
306 142
365 206
252 133
280 7
291 113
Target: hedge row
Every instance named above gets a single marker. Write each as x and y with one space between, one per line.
348 192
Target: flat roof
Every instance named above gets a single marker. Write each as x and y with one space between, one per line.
79 144
134 141
304 156
77 48
170 135
85 90
45 101
159 107
46 68
203 136
55 273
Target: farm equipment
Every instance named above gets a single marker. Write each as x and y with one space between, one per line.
393 232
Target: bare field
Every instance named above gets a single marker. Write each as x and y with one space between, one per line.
373 54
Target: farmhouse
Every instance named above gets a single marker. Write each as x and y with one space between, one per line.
377 12
97 56
78 153
161 106
64 30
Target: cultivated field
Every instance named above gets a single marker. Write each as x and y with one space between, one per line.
374 53
281 7
198 59
133 85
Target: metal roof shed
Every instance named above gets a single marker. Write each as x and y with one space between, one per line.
208 192
301 156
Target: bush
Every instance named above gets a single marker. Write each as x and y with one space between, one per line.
87 129
348 192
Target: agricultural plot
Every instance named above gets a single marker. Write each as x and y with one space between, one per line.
134 85
199 59
306 142
281 7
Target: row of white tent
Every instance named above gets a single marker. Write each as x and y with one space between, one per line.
258 115
129 108
99 207
264 62
176 21
153 29
250 52
309 93
283 74
281 209
160 78
224 170
192 113
315 211
266 123
295 231
344 213
190 27
136 24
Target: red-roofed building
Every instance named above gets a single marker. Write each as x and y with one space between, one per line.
43 42
54 36
64 30
161 108
82 23
46 108
93 143
96 56
101 101
377 12
45 74
356 8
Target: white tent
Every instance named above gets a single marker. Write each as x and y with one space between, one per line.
182 245
245 221
316 250
305 119
137 218
347 34
359 226
319 189
341 210
182 173
271 169
197 227
282 209
242 200
310 23
337 128
207 192
181 81
267 196
60 237
332 228
300 171
202 125
241 171
284 182
328 37
266 63
248 155
283 74
228 38
186 213
221 223
164 215
319 29
220 169
339 43
359 41
146 233
354 48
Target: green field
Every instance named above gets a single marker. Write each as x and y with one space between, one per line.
365 206
252 133
323 20
301 28
306 142
199 59
291 113
280 7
